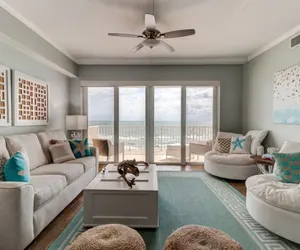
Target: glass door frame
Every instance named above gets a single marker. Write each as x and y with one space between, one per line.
149 109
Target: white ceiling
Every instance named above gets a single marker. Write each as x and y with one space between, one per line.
226 30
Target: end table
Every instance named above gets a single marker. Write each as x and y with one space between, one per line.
265 165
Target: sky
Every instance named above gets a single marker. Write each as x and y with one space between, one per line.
166 104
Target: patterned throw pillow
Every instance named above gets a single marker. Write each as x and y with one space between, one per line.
80 148
224 144
288 167
3 160
240 145
54 141
61 152
16 168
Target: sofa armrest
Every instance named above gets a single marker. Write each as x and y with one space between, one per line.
16 215
260 150
95 152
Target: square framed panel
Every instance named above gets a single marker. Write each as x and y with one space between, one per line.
5 96
31 100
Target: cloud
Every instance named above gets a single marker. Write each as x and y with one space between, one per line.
167 104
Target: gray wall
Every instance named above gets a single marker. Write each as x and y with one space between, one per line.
14 31
230 77
258 93
58 85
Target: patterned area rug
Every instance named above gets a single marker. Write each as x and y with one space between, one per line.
195 198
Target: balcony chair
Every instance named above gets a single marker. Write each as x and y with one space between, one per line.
105 146
193 148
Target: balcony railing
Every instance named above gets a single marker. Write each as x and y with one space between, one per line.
134 136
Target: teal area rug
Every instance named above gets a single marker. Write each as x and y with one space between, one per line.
195 198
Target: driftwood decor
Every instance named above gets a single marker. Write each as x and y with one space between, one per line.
130 167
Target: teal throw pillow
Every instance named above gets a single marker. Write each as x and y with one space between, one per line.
288 167
16 168
80 148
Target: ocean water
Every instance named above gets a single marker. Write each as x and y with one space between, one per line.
132 133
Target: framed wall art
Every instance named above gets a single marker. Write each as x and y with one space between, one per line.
286 96
5 96
31 100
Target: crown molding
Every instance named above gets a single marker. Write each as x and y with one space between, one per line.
31 26
161 61
275 42
31 53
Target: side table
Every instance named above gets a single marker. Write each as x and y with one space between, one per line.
265 165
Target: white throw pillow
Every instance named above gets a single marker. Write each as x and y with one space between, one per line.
290 147
257 137
240 145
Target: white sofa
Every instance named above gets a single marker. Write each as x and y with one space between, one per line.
276 205
235 166
27 208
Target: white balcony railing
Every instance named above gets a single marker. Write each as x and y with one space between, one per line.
134 137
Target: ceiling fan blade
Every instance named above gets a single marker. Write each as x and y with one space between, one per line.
150 22
167 46
178 33
137 48
125 35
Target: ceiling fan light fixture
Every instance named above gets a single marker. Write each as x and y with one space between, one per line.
151 42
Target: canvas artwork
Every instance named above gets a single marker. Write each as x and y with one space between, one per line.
286 99
5 96
31 100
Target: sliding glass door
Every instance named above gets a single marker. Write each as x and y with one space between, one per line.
167 124
157 124
101 121
132 116
199 121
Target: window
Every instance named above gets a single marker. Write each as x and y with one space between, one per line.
158 124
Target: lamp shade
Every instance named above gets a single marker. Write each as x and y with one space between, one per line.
76 122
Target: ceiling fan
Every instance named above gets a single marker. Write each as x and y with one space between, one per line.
152 37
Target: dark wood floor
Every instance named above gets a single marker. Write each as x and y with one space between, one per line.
52 231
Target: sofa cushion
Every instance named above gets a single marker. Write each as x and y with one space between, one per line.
3 149
61 152
80 147
45 138
288 147
31 145
17 168
46 187
71 171
229 159
257 137
88 162
224 144
240 145
287 167
223 135
282 195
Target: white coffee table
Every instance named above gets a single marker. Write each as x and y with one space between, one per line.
108 199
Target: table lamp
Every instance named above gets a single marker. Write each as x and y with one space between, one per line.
76 123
